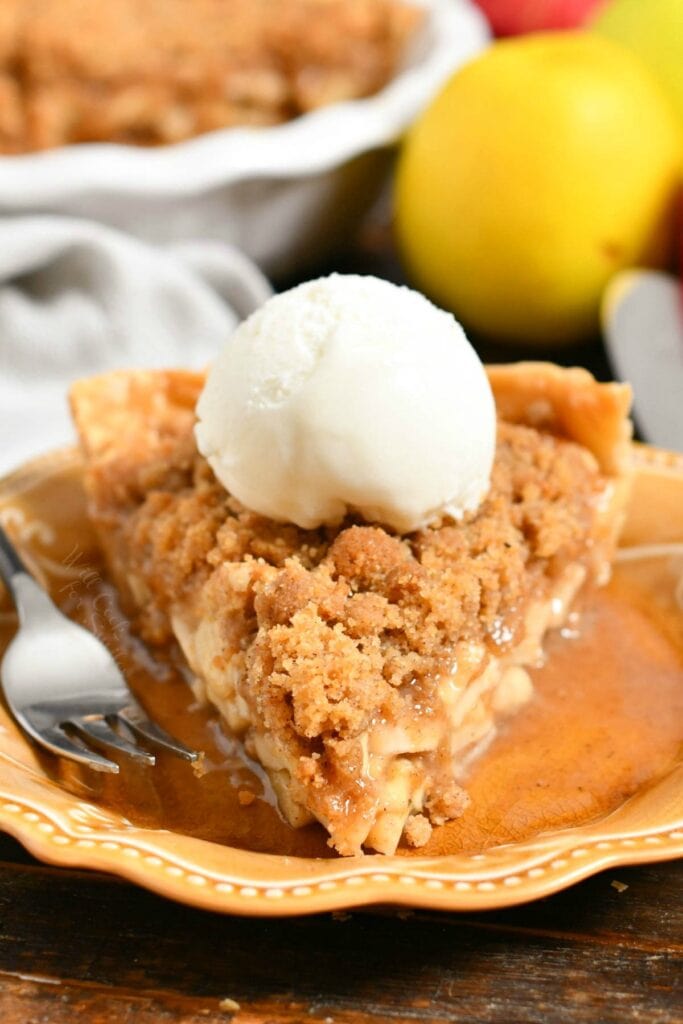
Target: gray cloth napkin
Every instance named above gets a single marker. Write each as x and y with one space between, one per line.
78 298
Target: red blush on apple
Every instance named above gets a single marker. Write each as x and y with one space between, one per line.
514 17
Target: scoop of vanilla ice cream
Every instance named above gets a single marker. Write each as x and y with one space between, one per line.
349 393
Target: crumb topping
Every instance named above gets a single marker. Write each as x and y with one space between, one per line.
359 666
148 73
447 802
412 596
342 630
417 831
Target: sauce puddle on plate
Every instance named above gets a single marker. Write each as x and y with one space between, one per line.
605 720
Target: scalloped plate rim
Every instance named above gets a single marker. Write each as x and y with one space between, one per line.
503 876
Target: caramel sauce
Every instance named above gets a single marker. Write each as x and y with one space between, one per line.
606 719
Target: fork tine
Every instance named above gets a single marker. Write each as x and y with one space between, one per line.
135 718
57 741
98 731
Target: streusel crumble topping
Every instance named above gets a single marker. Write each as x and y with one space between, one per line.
343 627
149 73
362 668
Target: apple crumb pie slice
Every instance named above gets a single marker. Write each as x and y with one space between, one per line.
364 670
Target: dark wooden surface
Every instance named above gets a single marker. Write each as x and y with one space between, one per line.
83 946
78 946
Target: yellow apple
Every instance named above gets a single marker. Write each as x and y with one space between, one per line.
654 30
545 165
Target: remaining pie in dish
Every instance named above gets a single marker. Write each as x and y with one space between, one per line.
146 72
362 669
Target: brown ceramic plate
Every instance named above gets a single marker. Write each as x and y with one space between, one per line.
598 819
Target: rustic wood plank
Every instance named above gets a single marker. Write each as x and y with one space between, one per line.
12 852
25 1001
465 996
590 955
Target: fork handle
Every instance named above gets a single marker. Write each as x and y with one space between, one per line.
11 564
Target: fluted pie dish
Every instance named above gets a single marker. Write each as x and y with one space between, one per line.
163 141
471 701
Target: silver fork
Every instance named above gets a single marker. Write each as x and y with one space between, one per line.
63 686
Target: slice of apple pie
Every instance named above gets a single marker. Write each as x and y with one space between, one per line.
361 668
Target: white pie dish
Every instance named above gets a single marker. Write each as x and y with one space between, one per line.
284 195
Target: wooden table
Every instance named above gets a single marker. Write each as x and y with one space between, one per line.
78 946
